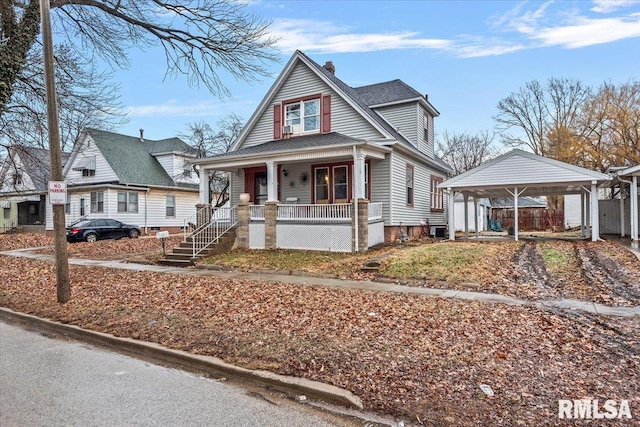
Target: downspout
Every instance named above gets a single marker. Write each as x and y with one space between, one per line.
355 200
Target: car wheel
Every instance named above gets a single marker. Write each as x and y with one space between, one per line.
133 234
91 237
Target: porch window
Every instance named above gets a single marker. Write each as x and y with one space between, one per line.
304 114
170 206
127 201
97 201
437 195
322 185
340 184
409 179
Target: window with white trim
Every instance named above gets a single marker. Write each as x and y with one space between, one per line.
97 201
305 114
409 180
7 213
127 201
170 201
437 195
67 206
425 123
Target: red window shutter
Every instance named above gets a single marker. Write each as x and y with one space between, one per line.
326 114
277 122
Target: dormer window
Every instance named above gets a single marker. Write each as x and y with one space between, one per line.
303 115
87 166
426 127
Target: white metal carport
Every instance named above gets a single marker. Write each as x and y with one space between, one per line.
519 173
630 176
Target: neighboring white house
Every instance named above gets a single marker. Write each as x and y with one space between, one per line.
138 181
315 145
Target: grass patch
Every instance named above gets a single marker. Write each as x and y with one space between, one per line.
450 262
556 257
276 259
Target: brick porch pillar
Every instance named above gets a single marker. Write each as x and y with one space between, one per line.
203 215
270 219
242 229
363 226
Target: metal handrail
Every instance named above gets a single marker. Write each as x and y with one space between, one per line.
193 221
222 220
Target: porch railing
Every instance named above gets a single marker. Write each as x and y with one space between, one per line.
192 221
321 213
256 212
222 220
375 211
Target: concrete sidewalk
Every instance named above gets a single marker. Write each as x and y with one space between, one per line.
566 304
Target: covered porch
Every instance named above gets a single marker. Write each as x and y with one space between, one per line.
312 192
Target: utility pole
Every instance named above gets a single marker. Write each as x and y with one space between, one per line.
59 228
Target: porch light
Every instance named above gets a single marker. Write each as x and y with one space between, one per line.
284 172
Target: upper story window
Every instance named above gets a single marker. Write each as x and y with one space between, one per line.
87 166
17 178
425 125
303 114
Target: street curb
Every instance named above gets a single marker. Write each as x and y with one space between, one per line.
210 364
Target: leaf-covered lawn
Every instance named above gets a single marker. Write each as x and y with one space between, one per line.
420 358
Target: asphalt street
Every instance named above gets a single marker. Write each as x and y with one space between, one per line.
55 382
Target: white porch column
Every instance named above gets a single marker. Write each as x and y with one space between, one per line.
583 228
204 186
358 174
634 211
587 215
272 182
595 228
515 213
475 215
465 198
620 191
452 218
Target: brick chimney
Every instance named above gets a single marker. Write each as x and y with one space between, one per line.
330 67
141 135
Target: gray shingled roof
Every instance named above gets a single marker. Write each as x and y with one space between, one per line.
37 164
364 96
295 143
382 93
133 161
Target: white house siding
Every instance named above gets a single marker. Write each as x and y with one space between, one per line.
380 183
104 172
302 82
168 164
404 118
154 201
7 184
421 192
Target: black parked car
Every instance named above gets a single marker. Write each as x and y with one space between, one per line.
91 230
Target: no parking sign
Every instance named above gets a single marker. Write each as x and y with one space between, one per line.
57 192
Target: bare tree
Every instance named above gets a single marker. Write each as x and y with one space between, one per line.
199 38
464 151
209 142
535 110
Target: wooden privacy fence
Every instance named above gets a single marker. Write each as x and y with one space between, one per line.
531 219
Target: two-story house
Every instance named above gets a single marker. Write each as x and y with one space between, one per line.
23 187
333 167
149 183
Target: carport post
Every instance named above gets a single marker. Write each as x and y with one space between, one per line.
465 197
475 214
452 219
595 229
583 228
620 191
515 208
634 211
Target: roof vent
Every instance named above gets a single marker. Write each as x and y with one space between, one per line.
426 97
141 135
330 67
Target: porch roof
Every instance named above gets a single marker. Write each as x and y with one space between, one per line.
296 148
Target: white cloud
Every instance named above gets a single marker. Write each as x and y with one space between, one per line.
175 108
587 32
608 6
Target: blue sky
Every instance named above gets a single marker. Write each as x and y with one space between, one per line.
466 55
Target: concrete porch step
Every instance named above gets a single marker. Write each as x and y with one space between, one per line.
176 262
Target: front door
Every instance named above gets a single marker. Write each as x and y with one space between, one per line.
260 188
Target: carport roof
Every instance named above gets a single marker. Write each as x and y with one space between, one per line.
536 175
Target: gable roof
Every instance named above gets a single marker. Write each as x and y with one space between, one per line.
353 97
36 163
134 161
517 168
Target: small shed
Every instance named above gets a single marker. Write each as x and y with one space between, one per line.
519 173
629 176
